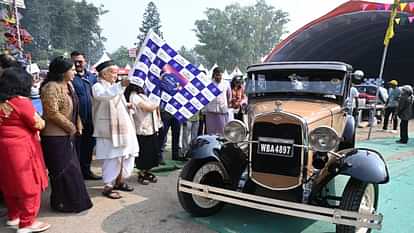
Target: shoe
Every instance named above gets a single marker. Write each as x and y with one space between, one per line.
401 142
14 223
92 176
393 131
37 226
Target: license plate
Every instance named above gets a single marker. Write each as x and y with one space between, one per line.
275 146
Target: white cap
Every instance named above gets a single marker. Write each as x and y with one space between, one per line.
33 68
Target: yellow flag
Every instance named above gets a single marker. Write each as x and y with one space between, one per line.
390 29
403 5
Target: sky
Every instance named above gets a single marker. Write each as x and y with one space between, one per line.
121 24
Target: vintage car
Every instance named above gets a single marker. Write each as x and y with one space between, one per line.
367 99
299 138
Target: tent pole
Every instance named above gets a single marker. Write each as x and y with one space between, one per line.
378 84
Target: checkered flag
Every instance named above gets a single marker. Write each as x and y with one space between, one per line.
173 82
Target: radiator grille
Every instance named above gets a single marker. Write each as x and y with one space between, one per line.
278 165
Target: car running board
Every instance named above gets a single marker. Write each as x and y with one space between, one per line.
335 216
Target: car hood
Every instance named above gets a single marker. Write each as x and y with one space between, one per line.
310 111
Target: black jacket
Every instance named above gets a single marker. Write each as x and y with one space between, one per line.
405 105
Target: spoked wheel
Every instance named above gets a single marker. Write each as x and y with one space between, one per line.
209 173
361 197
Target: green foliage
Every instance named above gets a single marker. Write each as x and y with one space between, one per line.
192 56
151 20
121 57
63 26
239 35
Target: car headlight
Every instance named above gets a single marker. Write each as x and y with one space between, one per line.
235 131
323 139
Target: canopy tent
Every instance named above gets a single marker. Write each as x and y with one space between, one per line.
103 58
354 33
226 75
201 67
123 71
236 72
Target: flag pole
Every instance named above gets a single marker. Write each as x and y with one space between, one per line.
379 81
388 36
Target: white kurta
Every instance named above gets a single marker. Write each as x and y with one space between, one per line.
104 91
111 168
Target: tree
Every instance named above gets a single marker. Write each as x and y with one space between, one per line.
239 35
192 56
64 25
38 24
151 20
121 56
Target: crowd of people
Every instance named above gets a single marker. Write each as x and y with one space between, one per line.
84 114
398 106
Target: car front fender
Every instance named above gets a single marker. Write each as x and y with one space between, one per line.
365 165
206 146
229 155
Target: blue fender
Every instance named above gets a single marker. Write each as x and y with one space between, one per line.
230 157
206 146
365 165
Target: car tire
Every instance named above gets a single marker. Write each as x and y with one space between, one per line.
360 197
204 172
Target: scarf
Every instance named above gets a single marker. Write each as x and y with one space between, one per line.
119 117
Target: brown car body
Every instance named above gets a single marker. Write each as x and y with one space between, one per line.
299 136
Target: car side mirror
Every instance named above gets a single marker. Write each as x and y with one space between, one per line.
357 76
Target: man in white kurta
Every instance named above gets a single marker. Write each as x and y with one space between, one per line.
118 156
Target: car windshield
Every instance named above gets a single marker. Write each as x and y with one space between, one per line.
326 83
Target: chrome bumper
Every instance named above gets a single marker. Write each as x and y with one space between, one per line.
335 216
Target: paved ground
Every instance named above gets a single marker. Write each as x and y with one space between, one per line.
155 208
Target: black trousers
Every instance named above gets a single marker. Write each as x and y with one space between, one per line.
84 148
238 115
388 112
170 121
404 130
202 125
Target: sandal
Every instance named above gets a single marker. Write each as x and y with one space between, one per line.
141 179
123 187
111 194
150 177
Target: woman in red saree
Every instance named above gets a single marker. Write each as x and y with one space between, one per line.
22 169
